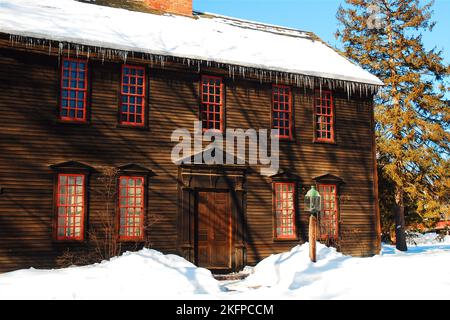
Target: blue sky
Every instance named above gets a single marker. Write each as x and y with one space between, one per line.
318 16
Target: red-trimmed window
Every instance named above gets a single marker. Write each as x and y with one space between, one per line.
211 109
131 208
74 84
132 106
282 111
324 116
70 203
329 214
284 203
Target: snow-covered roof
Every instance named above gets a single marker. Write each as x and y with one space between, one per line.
205 37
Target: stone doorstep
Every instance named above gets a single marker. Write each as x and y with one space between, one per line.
231 276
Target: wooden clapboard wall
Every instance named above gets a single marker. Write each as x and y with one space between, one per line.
32 139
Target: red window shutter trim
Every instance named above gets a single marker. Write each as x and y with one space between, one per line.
324 116
70 206
212 103
133 92
131 208
328 222
282 111
73 90
285 211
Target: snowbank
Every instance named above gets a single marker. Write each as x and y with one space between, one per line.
421 273
207 37
282 270
147 274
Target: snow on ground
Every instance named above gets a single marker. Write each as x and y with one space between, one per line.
147 274
430 238
421 273
209 38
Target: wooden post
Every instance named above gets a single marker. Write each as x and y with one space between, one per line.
312 237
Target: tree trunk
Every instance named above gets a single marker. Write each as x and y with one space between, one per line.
399 208
312 237
399 214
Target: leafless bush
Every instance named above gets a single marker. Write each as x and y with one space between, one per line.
102 235
442 234
411 237
102 242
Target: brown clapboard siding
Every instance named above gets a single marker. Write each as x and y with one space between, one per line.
349 158
32 139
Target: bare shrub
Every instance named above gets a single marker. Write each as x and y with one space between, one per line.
102 235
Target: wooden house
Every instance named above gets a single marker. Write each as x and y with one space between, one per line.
84 87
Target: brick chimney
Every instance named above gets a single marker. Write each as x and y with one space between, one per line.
181 7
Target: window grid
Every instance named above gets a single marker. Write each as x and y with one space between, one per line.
70 207
132 107
282 111
328 216
285 210
74 84
211 110
131 208
323 109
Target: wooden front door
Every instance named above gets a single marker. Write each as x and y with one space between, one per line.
214 230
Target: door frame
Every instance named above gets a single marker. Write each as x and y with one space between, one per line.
195 178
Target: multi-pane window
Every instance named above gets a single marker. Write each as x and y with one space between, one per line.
132 110
70 203
284 203
74 84
282 111
329 214
211 109
324 117
131 208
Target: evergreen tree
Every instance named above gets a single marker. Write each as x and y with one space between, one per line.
412 118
